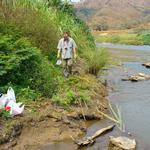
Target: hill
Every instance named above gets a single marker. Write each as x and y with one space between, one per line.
104 14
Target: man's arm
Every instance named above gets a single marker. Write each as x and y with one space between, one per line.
59 49
74 49
75 52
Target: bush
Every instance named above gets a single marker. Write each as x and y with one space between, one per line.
145 38
23 65
96 60
72 91
45 80
38 26
34 21
26 95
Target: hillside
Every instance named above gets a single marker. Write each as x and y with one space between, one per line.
103 14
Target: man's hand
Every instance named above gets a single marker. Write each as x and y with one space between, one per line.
75 56
58 55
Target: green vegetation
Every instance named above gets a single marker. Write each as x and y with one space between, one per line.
130 38
5 114
73 90
76 90
29 32
22 64
145 38
97 60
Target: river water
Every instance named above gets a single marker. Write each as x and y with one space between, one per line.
132 98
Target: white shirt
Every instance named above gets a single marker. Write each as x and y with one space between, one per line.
66 47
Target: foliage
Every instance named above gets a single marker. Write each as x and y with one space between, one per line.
30 31
96 60
145 38
34 21
26 95
122 38
73 91
49 23
5 113
23 65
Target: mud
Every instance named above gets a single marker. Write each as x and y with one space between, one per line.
44 122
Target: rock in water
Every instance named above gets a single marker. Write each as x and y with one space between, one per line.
147 65
122 143
138 77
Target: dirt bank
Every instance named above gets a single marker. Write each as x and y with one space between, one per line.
44 122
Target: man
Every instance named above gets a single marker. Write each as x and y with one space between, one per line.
67 48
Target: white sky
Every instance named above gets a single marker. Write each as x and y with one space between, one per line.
75 0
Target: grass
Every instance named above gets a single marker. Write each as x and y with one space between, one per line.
115 116
123 37
96 60
73 91
41 26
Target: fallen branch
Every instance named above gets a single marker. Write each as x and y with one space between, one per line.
107 116
90 140
116 118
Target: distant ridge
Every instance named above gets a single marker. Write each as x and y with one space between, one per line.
120 14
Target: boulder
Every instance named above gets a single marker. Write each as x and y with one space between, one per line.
122 143
138 77
147 65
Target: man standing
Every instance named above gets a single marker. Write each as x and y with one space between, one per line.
67 48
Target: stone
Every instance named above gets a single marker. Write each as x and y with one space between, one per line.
147 65
122 143
138 77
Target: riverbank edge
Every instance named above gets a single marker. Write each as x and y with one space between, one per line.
53 119
127 37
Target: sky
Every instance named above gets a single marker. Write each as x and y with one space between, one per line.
75 0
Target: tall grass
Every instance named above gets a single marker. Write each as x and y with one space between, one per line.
42 26
125 38
96 60
115 116
23 65
35 21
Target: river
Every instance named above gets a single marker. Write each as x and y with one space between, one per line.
133 99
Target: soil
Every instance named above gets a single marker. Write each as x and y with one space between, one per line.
43 122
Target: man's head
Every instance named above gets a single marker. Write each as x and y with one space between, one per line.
66 35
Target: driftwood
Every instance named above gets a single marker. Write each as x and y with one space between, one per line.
147 65
138 77
91 139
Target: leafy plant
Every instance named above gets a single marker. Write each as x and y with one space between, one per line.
145 38
96 60
26 95
24 65
5 113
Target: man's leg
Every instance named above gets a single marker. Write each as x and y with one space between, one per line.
69 66
65 66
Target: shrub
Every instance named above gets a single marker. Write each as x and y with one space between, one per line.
145 38
5 113
26 95
23 65
43 23
34 21
45 80
72 91
38 26
96 60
